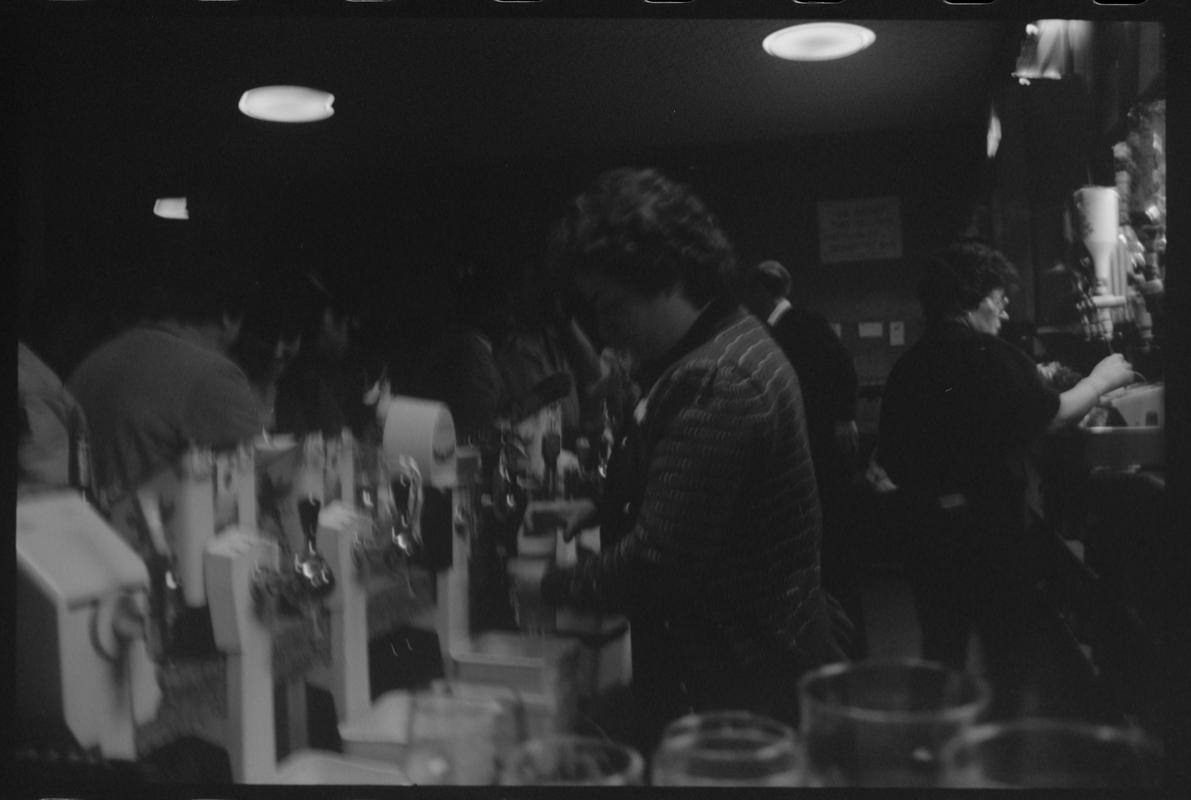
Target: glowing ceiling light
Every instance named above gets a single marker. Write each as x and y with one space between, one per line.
287 104
171 208
818 41
993 136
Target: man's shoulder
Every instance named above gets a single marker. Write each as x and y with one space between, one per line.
148 351
100 363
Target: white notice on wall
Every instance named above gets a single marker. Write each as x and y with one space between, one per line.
867 229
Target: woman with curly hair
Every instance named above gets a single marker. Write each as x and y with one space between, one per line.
959 413
710 523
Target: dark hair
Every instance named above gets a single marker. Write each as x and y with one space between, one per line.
640 227
770 277
959 276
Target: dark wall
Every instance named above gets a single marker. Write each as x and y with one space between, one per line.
391 233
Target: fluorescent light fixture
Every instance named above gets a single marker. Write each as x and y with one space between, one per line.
993 137
818 41
287 104
171 208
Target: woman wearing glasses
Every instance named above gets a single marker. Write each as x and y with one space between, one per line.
960 411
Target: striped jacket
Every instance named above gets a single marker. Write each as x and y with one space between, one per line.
718 570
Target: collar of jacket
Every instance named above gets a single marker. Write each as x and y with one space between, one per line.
778 311
715 316
705 325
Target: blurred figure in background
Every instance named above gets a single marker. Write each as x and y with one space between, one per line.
460 369
167 384
827 377
269 342
324 387
53 442
959 414
544 340
53 450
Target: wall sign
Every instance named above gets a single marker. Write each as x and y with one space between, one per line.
868 229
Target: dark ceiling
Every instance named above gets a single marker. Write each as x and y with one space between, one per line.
147 92
127 100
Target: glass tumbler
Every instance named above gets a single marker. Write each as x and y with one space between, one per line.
465 732
573 760
1050 754
533 615
728 748
883 722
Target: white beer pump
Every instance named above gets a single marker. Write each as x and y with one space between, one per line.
1097 209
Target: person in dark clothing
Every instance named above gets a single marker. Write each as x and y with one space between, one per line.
323 388
829 384
461 369
959 412
825 368
269 341
165 385
543 340
713 511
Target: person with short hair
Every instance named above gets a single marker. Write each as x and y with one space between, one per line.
710 530
827 376
323 388
959 412
167 384
461 369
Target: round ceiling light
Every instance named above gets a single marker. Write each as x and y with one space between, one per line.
287 104
818 41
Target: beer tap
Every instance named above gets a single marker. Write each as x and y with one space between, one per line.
311 567
393 505
406 485
271 583
504 483
405 536
310 580
165 593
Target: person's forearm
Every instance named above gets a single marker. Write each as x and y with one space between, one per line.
1076 402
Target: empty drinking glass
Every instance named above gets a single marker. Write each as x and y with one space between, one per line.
533 615
1050 754
466 731
728 748
883 722
573 760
